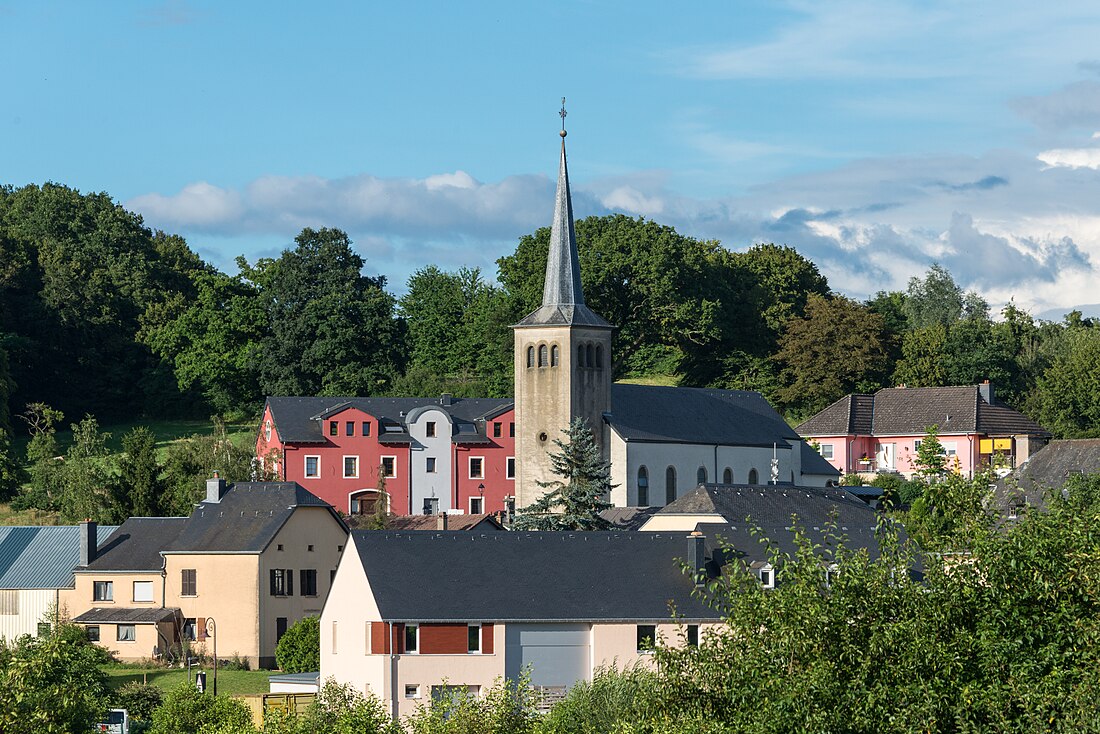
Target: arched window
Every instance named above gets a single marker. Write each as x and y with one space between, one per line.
727 476
643 487
754 478
590 356
580 357
554 356
670 485
530 356
542 355
701 475
599 357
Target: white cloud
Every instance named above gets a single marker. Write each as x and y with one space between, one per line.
1071 158
198 205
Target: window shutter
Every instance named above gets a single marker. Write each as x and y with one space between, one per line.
290 582
200 628
274 588
303 586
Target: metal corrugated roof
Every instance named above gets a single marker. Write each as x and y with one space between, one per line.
42 557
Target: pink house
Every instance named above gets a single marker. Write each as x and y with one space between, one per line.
867 434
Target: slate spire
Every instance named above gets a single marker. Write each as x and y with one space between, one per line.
563 267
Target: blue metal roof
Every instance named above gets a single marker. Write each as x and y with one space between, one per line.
33 557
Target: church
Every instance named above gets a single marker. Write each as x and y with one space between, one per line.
477 455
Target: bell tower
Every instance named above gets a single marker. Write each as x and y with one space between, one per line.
562 355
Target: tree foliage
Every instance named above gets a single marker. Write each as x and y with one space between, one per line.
299 649
186 711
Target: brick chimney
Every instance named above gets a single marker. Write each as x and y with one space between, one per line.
215 488
88 542
441 521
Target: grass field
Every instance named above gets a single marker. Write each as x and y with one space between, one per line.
230 682
166 432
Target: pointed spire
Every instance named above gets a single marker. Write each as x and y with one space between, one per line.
563 266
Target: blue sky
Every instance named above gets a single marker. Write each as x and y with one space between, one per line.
875 137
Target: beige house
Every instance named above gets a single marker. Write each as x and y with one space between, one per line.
249 562
414 615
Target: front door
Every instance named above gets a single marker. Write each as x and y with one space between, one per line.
886 457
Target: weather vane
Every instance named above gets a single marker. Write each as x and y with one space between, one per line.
563 113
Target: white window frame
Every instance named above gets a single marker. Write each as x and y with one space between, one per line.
345 466
108 587
479 643
470 467
430 465
267 431
769 570
510 468
144 584
404 645
950 448
118 632
305 466
826 450
479 499
412 690
382 463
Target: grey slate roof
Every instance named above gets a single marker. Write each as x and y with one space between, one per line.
527 576
911 410
1046 471
33 557
815 463
696 415
245 520
296 418
628 518
127 615
136 544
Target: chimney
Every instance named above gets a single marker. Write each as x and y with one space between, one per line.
697 556
986 391
431 505
88 542
441 521
445 399
215 489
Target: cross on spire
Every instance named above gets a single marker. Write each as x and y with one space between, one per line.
563 113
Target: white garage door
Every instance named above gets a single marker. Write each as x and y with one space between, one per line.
557 654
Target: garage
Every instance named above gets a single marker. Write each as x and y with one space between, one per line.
558 654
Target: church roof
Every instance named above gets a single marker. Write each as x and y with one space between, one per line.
562 294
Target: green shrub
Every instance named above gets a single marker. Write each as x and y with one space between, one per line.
611 701
139 699
506 708
186 711
299 650
338 709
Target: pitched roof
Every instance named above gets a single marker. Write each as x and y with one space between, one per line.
911 410
527 576
1046 471
127 615
137 543
33 557
815 463
297 419
628 518
245 520
480 523
696 415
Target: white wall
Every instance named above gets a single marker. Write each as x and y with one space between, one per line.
35 605
440 448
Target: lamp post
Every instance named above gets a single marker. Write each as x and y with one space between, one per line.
212 631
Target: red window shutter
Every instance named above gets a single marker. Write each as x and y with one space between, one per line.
378 644
200 628
486 639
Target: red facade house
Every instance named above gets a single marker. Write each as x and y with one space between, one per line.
443 454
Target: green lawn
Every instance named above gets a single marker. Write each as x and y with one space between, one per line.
166 432
230 682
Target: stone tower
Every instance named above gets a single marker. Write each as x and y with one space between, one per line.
562 356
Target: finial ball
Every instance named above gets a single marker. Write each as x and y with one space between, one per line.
562 133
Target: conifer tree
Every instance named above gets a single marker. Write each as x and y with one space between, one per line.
575 501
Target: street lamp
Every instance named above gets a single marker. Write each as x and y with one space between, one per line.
211 631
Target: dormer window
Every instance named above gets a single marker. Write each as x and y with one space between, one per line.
767 576
429 429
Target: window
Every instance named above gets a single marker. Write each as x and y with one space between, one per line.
754 477
1016 510
542 355
9 602
43 629
143 591
693 635
308 577
93 632
767 577
279 547
643 487
554 356
581 361
126 633
701 475
511 430
727 476
103 591
351 467
950 448
335 649
389 467
282 582
309 548
530 357
188 585
313 467
412 637
830 574
670 485
366 428
412 690
590 355
280 628
477 505
826 451
510 468
429 429
188 630
647 637
429 465
333 428
473 638
599 358
477 467
496 430
267 430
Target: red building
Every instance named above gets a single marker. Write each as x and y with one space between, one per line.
448 454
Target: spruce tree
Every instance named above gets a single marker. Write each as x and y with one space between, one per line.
139 486
575 501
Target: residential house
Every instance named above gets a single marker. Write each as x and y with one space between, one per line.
36 568
1031 485
409 627
866 434
251 560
